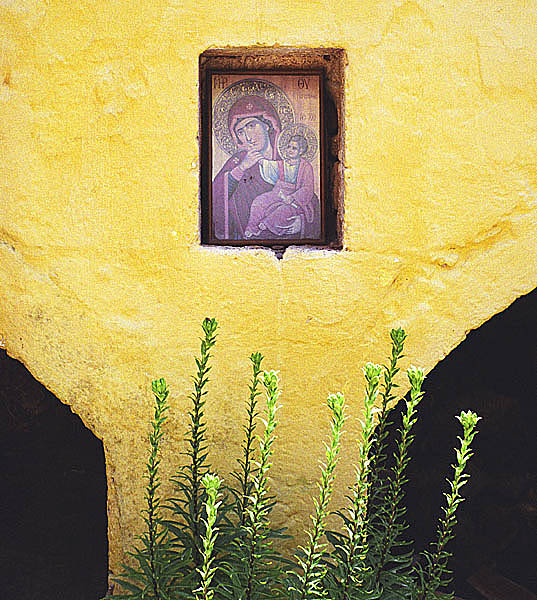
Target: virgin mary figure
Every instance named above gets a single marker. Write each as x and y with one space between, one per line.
254 126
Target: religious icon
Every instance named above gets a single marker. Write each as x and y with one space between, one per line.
265 179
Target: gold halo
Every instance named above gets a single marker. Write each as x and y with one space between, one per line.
304 131
248 87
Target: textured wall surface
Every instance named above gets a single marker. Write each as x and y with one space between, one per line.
103 282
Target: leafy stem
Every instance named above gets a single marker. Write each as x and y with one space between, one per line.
211 483
260 503
395 487
433 577
357 540
310 581
245 476
160 390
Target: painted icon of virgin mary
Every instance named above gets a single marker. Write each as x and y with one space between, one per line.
261 192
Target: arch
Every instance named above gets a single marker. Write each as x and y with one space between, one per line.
53 518
492 372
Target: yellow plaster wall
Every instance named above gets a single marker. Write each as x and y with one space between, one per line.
103 283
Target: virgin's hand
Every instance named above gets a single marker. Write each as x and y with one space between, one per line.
252 158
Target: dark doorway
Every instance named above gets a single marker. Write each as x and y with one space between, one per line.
53 524
493 372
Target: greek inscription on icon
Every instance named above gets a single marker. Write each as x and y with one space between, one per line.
266 163
220 82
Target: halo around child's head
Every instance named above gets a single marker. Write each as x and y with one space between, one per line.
304 131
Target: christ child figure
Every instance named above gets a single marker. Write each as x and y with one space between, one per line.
286 208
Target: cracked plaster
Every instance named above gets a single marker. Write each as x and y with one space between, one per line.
103 283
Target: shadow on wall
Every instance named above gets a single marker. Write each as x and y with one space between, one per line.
53 502
493 372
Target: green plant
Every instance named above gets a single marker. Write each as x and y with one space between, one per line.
230 554
349 570
246 463
306 583
211 483
252 567
186 506
156 562
435 573
391 561
377 456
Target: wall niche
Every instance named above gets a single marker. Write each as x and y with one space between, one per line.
292 192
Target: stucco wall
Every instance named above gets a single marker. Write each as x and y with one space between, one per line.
103 282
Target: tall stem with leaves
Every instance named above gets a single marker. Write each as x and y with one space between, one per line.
211 483
246 462
156 564
378 508
153 519
351 546
391 546
378 456
257 525
187 507
436 573
307 584
253 567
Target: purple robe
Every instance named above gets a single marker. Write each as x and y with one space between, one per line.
269 212
232 199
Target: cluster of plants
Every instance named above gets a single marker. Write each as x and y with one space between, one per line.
215 541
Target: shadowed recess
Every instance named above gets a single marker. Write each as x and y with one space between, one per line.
53 502
493 372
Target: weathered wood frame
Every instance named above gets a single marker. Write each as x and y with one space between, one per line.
328 64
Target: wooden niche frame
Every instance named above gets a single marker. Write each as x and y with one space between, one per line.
298 96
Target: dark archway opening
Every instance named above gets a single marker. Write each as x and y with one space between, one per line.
493 372
53 495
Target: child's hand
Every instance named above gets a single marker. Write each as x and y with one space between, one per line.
285 198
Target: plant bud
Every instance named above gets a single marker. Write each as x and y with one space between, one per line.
415 376
159 387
